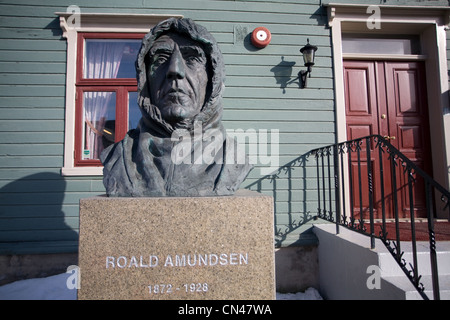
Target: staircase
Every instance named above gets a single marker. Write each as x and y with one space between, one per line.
366 180
347 264
394 275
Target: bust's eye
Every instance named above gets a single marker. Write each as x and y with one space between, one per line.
190 58
193 56
160 59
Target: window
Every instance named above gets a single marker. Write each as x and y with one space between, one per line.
109 92
106 97
381 44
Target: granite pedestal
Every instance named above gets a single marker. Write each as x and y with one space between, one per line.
177 248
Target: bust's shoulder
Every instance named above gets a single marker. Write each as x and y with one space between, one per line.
116 150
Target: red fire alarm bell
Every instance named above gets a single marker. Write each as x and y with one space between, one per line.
261 37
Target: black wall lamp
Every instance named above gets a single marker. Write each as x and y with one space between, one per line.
309 52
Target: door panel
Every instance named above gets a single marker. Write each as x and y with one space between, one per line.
360 96
389 99
408 122
362 120
359 90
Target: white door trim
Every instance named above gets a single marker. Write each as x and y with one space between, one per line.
430 23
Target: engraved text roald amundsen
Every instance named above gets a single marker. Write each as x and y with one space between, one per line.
177 260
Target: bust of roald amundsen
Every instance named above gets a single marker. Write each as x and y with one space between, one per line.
180 147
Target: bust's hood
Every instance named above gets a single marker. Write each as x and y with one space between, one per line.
211 113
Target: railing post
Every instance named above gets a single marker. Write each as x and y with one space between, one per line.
383 205
361 212
330 212
370 185
413 227
350 182
433 257
319 210
323 185
395 206
336 188
344 217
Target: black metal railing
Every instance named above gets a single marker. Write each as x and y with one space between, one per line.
364 183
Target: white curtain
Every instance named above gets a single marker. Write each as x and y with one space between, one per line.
102 61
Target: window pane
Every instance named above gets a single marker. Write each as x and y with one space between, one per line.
99 114
110 58
134 113
380 45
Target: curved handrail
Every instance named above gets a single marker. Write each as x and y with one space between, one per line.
332 157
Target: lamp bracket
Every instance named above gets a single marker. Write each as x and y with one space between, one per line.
303 76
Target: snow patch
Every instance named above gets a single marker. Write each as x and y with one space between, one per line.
50 288
309 294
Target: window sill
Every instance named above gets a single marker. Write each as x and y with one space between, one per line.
82 171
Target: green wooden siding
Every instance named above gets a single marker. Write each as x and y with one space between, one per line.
39 207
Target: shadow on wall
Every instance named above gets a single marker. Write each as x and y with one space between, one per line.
293 200
283 74
32 219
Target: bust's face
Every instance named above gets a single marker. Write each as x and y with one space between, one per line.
177 76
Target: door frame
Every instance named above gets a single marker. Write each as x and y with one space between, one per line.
383 115
430 23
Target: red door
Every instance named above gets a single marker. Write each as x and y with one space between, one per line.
389 99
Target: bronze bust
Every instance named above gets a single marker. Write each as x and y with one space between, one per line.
180 147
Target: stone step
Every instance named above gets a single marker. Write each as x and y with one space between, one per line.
403 283
345 259
444 286
423 259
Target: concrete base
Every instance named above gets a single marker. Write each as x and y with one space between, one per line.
177 248
297 268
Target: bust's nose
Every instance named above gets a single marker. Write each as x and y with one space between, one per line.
177 67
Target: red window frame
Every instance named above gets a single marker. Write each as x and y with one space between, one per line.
121 86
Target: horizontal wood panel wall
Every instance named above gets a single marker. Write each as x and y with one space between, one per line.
39 207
